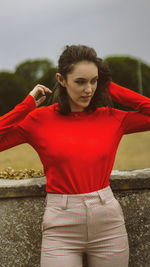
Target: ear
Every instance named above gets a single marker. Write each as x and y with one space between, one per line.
60 79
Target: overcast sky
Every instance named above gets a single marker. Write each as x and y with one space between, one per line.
31 29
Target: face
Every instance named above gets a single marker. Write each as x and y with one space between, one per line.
81 84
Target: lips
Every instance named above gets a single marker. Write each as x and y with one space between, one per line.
85 97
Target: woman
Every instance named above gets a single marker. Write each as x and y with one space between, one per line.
76 137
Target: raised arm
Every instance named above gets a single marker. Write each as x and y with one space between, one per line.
11 134
135 121
10 119
129 98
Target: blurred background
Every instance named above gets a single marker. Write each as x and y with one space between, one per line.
33 35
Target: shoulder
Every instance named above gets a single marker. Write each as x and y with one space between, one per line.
113 112
41 110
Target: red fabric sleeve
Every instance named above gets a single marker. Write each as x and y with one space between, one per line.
129 98
11 134
133 121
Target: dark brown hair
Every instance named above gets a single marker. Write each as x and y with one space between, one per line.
70 56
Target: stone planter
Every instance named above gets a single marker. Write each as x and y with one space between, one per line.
22 208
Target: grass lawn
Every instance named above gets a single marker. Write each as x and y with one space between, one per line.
133 153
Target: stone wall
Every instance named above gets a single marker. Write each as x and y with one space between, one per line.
22 208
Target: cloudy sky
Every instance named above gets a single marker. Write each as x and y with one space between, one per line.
32 29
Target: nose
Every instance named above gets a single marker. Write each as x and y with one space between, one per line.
88 89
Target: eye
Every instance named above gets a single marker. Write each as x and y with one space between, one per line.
94 81
80 82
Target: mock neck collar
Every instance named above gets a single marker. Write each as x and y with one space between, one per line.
75 113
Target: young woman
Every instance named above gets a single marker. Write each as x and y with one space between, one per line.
76 138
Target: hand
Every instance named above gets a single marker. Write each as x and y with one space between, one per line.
37 90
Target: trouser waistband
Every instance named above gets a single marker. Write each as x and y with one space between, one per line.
104 194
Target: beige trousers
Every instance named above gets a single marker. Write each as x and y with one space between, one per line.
91 223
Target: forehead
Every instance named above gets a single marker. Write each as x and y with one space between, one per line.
84 69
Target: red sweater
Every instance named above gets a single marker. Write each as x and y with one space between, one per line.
77 151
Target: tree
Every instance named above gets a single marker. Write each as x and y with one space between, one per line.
32 70
125 72
48 79
12 91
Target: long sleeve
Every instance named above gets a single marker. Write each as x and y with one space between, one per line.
11 134
129 98
133 121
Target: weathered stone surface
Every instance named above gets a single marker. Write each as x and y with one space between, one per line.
131 179
20 231
136 208
22 208
22 188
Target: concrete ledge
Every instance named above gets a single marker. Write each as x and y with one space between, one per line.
130 180
22 208
119 180
10 188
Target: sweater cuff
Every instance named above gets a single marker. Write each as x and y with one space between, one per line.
30 102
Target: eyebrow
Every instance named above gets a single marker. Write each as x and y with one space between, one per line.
81 78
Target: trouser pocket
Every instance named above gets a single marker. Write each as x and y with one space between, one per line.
103 217
118 209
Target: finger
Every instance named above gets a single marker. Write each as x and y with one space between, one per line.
41 90
40 100
49 90
45 88
38 90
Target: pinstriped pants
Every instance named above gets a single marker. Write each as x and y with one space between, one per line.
91 223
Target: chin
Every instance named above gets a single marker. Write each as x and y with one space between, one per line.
81 105
85 104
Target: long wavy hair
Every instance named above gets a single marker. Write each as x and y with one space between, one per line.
67 60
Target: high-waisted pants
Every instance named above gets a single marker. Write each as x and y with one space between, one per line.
91 223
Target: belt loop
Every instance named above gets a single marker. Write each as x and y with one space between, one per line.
102 196
64 201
